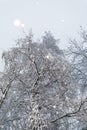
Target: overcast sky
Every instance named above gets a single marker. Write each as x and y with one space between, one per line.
62 17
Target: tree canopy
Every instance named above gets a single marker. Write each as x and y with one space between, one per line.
37 88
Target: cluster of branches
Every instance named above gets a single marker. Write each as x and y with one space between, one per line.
40 90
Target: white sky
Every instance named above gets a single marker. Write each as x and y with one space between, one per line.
62 17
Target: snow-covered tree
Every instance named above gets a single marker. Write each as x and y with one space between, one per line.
36 91
77 58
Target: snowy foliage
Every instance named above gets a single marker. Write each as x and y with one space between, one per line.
36 90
